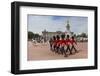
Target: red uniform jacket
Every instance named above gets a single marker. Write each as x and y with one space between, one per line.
57 42
73 41
62 42
68 41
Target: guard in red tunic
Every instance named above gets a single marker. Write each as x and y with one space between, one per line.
63 43
68 42
73 42
58 44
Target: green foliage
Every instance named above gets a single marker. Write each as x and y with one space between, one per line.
30 35
82 35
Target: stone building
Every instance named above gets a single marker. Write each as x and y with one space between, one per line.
47 35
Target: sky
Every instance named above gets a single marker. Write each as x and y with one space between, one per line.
50 23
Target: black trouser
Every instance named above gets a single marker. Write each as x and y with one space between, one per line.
57 49
54 48
68 49
63 51
73 48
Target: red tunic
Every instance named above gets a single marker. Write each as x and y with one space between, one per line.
68 41
62 42
73 41
57 42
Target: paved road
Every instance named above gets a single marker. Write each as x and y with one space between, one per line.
42 52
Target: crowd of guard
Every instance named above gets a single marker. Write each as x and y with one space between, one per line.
64 45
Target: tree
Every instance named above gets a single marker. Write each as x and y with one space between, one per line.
75 35
30 35
36 35
83 35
